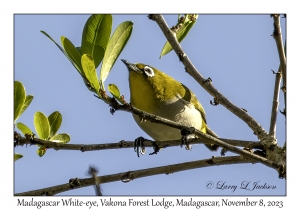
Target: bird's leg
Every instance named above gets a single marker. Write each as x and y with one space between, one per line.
155 148
185 132
139 146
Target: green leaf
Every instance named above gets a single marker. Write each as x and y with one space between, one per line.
115 46
55 120
114 90
63 51
19 98
90 71
17 156
95 36
47 35
41 151
79 50
181 34
73 53
41 125
27 102
61 138
23 128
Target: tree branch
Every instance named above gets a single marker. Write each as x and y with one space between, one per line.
275 104
279 43
131 175
21 141
210 139
277 35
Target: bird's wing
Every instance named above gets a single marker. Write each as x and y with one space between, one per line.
190 97
199 107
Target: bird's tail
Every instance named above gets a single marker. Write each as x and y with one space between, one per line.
212 147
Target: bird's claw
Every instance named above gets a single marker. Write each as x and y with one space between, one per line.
184 140
185 132
139 146
155 148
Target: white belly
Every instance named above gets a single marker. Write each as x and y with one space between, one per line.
178 111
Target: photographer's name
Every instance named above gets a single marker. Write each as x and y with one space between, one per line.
245 185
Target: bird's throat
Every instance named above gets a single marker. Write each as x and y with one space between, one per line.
142 94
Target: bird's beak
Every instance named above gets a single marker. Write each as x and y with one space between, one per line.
131 66
127 63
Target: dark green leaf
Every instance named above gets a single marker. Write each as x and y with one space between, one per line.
23 128
73 53
115 46
95 36
63 51
41 125
19 98
61 138
17 156
79 50
59 47
55 120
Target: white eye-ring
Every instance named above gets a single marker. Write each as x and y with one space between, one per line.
148 71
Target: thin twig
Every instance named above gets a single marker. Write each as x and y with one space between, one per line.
275 104
281 51
282 57
131 175
210 132
20 141
278 38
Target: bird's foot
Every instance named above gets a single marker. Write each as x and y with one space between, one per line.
155 148
185 132
139 146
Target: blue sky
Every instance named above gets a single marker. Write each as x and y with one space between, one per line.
235 51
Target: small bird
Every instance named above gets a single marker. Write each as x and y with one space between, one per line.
157 93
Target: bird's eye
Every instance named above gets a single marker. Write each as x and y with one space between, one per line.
149 71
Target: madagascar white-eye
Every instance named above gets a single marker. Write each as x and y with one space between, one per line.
157 93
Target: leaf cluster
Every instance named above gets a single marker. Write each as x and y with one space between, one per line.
97 46
46 127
